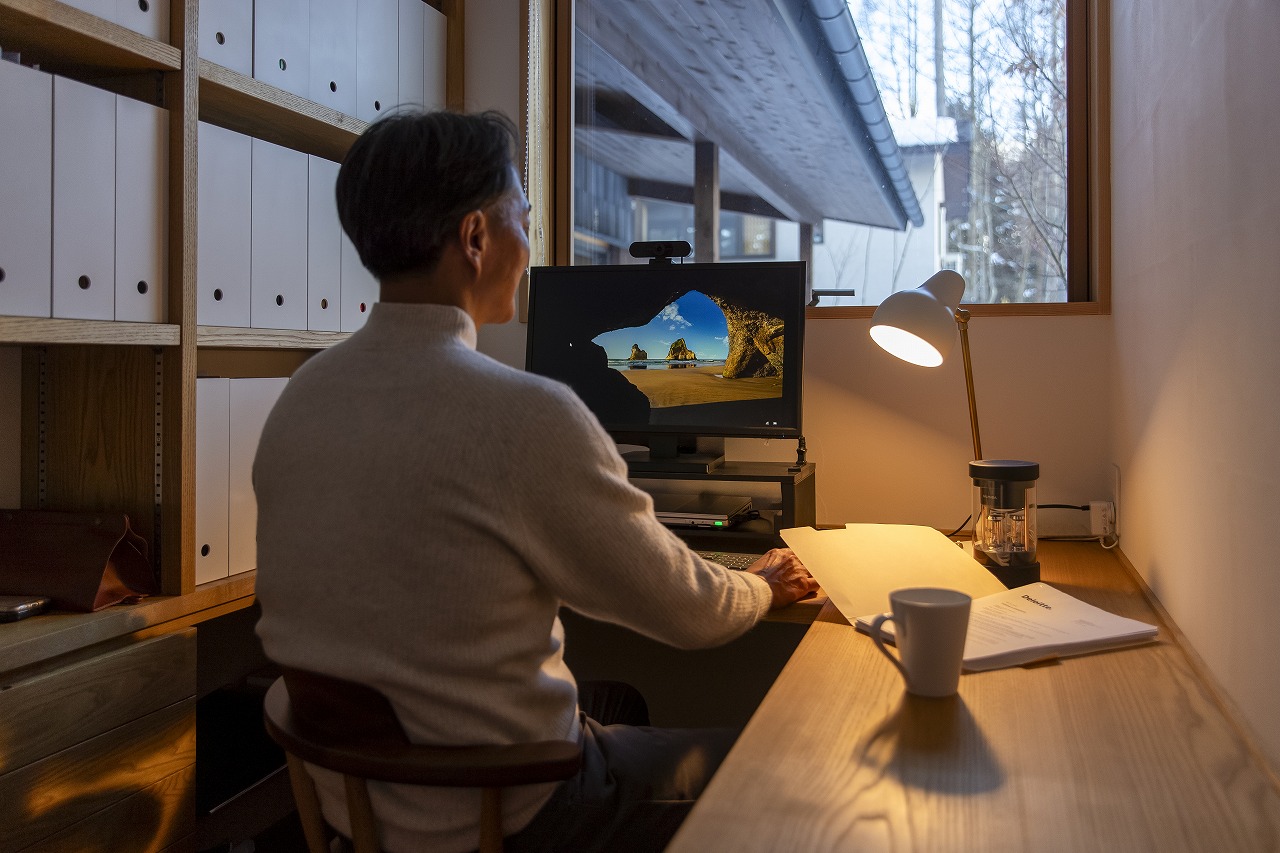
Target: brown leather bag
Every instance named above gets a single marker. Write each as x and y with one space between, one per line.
82 560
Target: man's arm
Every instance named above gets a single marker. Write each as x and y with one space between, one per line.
596 544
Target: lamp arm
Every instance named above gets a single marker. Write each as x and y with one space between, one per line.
962 320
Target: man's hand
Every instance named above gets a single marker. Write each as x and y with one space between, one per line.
787 577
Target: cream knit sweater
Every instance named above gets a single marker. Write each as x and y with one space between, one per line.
423 512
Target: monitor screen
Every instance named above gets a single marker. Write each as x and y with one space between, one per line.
674 350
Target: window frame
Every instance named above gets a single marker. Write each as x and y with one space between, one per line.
550 58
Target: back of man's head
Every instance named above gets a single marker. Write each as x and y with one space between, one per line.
410 178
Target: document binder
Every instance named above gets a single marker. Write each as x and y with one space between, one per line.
324 248
141 211
278 258
84 201
26 191
213 449
376 22
223 243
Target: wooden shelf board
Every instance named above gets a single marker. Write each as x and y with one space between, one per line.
236 337
43 330
245 105
39 638
731 470
53 32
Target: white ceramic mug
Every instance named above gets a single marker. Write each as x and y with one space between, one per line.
930 626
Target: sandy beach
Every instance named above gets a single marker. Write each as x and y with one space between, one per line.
688 385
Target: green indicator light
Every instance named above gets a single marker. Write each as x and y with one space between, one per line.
719 524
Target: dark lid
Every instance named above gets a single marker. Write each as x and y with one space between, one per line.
1004 469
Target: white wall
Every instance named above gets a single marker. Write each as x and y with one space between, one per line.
892 440
1196 409
495 41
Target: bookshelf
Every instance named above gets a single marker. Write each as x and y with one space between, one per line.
108 422
102 367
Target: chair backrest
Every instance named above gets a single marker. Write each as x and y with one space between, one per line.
352 729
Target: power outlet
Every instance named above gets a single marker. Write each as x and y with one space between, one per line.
1102 519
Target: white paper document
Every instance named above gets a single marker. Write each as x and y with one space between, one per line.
1037 622
860 564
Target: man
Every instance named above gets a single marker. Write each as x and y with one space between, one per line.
424 511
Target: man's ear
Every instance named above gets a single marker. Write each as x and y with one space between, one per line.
473 236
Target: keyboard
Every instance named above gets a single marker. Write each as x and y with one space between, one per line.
731 559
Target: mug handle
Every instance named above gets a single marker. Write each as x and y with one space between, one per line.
878 637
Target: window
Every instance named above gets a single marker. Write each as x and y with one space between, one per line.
879 140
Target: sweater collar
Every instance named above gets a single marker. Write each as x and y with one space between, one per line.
403 322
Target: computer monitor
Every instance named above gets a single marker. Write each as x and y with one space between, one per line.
665 353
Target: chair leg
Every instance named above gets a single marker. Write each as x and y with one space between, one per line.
364 828
491 820
304 796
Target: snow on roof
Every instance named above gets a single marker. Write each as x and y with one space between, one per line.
923 130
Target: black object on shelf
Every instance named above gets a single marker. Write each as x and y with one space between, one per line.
797 506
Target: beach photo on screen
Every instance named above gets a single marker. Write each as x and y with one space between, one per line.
699 349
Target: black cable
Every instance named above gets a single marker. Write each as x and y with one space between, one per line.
1040 506
961 527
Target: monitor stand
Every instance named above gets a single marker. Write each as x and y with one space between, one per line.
664 454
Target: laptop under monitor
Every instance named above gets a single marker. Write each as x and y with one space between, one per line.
700 510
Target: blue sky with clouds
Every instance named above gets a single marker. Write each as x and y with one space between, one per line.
693 317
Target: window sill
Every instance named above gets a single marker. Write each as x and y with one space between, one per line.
1024 309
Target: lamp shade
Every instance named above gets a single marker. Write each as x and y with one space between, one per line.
919 325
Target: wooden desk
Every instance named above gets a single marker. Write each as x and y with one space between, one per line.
1127 750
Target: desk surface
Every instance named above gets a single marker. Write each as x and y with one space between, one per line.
1124 750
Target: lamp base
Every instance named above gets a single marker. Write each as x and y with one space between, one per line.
1014 576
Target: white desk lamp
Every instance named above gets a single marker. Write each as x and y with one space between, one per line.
919 326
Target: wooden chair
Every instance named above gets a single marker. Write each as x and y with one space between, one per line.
352 729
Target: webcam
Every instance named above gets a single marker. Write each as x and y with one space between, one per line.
661 251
